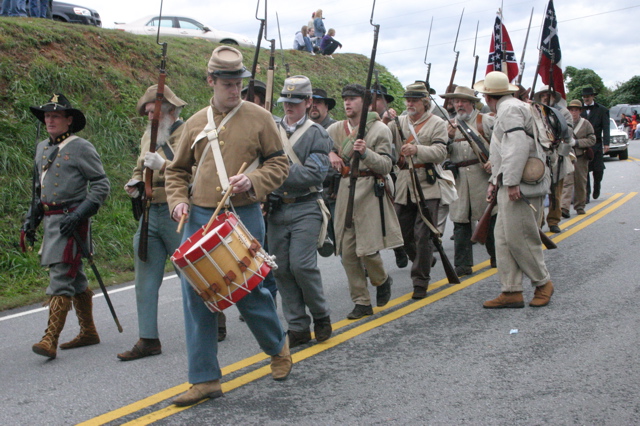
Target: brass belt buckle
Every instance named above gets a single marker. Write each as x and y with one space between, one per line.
288 200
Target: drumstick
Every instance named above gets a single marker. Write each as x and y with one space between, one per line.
223 201
181 224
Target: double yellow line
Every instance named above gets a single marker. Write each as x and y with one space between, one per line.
580 223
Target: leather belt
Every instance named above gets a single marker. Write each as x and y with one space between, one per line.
59 208
309 197
346 172
415 166
466 163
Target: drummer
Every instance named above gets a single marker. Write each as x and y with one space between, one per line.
245 133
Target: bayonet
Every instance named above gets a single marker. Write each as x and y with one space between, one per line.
524 50
272 59
254 66
426 52
475 66
455 63
284 64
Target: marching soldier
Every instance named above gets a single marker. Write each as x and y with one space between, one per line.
425 141
162 238
70 186
371 232
560 162
517 238
319 113
584 138
472 171
295 217
243 132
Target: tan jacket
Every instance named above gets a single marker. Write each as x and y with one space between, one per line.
584 137
139 171
251 133
473 180
366 210
432 148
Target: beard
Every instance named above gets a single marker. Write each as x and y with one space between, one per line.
314 114
464 116
164 130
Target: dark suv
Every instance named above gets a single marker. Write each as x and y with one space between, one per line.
74 14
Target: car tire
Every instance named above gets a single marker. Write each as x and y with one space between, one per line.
229 41
624 155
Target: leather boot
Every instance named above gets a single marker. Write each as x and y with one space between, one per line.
542 295
58 308
282 363
198 392
88 335
322 328
506 300
383 292
142 348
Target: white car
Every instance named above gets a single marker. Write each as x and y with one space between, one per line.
618 142
180 26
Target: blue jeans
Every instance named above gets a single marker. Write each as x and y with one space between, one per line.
257 308
14 8
38 8
162 241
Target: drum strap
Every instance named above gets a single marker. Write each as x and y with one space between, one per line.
211 133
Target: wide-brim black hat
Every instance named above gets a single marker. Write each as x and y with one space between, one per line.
322 94
258 86
59 102
588 91
382 91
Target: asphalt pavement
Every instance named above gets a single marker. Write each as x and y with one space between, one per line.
439 361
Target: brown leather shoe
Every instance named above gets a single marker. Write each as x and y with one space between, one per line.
506 300
198 392
542 295
142 348
281 364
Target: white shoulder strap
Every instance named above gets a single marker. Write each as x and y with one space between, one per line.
578 126
289 142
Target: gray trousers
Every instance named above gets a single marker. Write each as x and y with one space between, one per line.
417 239
463 248
293 235
162 242
62 285
518 244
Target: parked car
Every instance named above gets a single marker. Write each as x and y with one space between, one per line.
618 142
74 14
616 111
180 26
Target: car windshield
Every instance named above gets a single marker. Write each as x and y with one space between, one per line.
189 25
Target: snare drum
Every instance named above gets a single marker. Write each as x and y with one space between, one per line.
223 265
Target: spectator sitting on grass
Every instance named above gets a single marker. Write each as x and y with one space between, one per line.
328 44
302 41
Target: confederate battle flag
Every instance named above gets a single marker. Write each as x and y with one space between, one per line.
550 62
501 54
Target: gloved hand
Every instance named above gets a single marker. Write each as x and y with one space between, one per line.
71 221
153 160
132 191
27 236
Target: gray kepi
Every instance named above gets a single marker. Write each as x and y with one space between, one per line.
296 89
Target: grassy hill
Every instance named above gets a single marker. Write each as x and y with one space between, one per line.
103 73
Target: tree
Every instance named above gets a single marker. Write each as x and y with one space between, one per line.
627 93
576 79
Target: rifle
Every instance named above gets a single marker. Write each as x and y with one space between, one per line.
524 50
472 138
427 218
481 232
286 65
254 66
475 66
355 160
379 188
455 63
148 173
425 55
87 254
535 76
272 59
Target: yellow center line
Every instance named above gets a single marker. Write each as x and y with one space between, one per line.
634 159
335 340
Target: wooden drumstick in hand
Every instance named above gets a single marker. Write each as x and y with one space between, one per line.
224 200
181 224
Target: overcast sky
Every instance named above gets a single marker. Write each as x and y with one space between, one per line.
594 35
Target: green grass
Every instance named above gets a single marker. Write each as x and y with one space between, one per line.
104 72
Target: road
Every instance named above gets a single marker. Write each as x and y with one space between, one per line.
441 360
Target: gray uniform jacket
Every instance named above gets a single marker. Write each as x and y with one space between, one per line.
312 149
511 146
75 174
